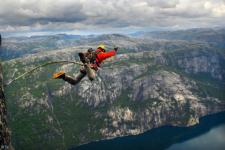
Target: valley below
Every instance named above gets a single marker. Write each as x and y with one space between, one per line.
152 82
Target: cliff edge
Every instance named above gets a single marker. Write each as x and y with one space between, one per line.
5 137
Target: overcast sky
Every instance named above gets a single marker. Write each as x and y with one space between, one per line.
109 15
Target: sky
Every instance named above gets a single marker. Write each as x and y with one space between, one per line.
108 16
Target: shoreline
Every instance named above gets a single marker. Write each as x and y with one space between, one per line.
205 123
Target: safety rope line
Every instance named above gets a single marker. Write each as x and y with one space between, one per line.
43 65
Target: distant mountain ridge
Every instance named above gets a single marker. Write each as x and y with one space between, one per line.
20 46
211 36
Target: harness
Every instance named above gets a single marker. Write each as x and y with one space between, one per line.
92 56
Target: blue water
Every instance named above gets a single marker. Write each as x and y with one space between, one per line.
208 135
212 140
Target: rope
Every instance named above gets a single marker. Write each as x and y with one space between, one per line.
43 65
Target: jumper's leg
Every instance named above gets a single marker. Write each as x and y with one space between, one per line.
90 72
77 79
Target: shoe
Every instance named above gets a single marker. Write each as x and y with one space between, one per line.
58 75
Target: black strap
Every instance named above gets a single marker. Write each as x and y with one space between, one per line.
97 62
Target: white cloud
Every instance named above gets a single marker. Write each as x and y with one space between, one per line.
217 9
25 15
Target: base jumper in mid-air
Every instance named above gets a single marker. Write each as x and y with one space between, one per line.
91 60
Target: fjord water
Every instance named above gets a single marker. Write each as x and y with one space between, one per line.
208 134
213 140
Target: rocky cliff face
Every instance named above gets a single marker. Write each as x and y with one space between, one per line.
203 61
0 40
139 91
5 137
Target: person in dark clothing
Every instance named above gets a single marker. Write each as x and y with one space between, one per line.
92 61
